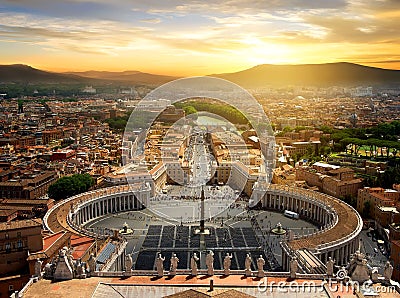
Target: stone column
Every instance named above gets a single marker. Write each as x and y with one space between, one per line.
336 253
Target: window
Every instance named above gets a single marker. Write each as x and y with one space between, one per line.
19 244
10 287
18 234
8 247
7 236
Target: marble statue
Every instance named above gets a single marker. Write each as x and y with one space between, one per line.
80 270
260 266
128 263
38 268
358 270
227 264
290 235
174 264
293 267
64 269
387 272
160 265
193 264
210 263
375 274
329 267
247 265
48 270
68 254
92 263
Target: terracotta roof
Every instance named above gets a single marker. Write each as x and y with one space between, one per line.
80 250
20 224
78 240
49 240
51 245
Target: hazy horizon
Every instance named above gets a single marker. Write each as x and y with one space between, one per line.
177 75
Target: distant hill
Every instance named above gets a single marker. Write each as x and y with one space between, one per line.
19 73
131 76
329 74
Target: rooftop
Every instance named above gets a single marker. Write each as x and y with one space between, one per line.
20 224
51 245
139 286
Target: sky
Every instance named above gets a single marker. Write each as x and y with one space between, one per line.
197 37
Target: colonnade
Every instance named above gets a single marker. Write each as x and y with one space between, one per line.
315 207
92 209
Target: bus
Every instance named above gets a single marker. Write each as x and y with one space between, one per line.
291 214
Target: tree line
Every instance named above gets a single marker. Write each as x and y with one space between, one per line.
230 113
68 186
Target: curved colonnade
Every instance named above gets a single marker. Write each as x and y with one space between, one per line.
73 213
340 223
338 237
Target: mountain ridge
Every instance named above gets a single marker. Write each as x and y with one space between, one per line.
338 73
326 74
126 75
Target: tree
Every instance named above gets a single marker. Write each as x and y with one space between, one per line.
230 113
326 129
69 186
189 110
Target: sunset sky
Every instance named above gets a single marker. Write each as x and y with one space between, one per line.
197 37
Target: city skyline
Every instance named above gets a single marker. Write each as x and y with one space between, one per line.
196 38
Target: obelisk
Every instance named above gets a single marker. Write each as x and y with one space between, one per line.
202 211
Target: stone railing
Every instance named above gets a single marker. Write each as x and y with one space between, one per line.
204 272
120 249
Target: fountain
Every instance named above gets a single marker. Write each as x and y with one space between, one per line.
126 230
278 230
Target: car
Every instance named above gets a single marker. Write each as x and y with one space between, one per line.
375 250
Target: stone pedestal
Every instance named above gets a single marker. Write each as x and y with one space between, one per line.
358 269
38 268
63 269
375 275
293 267
260 273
